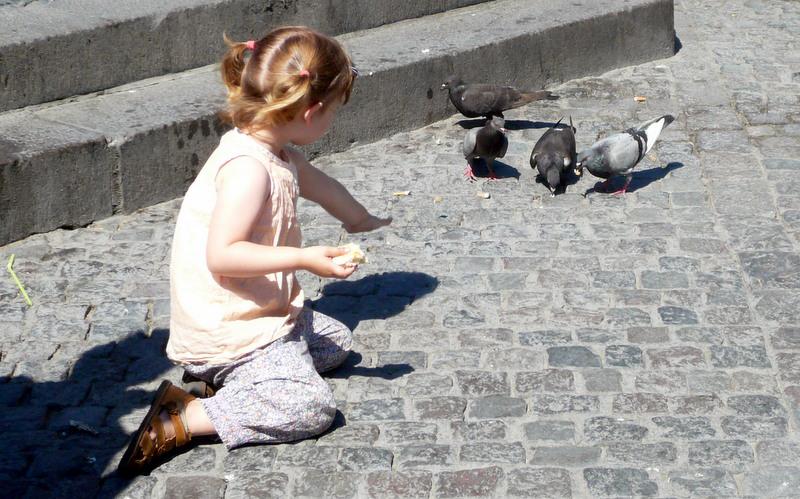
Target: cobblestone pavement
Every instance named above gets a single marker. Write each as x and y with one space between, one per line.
520 345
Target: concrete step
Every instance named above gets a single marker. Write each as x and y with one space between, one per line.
70 163
98 44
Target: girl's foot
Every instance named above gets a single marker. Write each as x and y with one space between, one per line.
197 386
162 430
166 421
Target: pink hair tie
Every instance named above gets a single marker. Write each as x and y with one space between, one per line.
305 74
250 44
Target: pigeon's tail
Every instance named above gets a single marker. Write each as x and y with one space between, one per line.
652 129
527 97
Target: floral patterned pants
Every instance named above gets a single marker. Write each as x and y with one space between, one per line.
275 394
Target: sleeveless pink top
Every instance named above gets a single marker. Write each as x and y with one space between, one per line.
217 319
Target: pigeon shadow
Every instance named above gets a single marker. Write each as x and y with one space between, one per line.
568 178
501 170
509 125
639 179
471 123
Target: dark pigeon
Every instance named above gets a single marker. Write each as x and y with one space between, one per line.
488 142
476 100
554 154
620 153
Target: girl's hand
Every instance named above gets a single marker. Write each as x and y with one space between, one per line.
371 222
318 260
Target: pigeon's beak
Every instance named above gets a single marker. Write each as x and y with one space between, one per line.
443 87
578 169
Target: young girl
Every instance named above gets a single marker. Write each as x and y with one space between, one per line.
237 318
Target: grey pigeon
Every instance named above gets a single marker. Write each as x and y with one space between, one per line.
621 152
488 142
476 100
554 154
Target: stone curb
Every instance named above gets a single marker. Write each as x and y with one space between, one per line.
94 46
72 163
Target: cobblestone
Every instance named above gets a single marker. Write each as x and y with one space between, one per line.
516 346
550 430
703 482
539 482
619 482
566 456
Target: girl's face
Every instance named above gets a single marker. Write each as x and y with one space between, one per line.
315 122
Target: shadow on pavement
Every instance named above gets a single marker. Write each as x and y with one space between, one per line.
67 433
376 296
350 367
501 170
62 438
510 124
639 179
568 178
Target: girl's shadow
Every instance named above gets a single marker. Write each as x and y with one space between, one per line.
376 296
70 452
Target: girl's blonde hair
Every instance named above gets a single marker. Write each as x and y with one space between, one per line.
287 71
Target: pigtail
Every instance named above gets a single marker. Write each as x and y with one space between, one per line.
289 69
233 65
287 97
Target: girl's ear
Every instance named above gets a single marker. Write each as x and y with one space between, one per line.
308 114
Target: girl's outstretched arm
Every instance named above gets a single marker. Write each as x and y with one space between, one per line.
242 187
335 198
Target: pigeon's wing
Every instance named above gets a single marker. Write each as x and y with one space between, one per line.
479 99
470 139
503 146
507 98
622 152
652 129
544 141
560 141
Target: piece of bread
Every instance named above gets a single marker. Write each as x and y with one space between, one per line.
354 255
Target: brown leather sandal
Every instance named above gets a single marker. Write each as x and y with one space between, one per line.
197 387
142 449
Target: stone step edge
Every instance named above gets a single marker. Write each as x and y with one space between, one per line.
95 49
79 162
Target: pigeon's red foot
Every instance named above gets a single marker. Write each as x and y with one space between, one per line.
624 188
469 174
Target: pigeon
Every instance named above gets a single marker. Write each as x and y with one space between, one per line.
554 154
620 153
476 100
488 142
